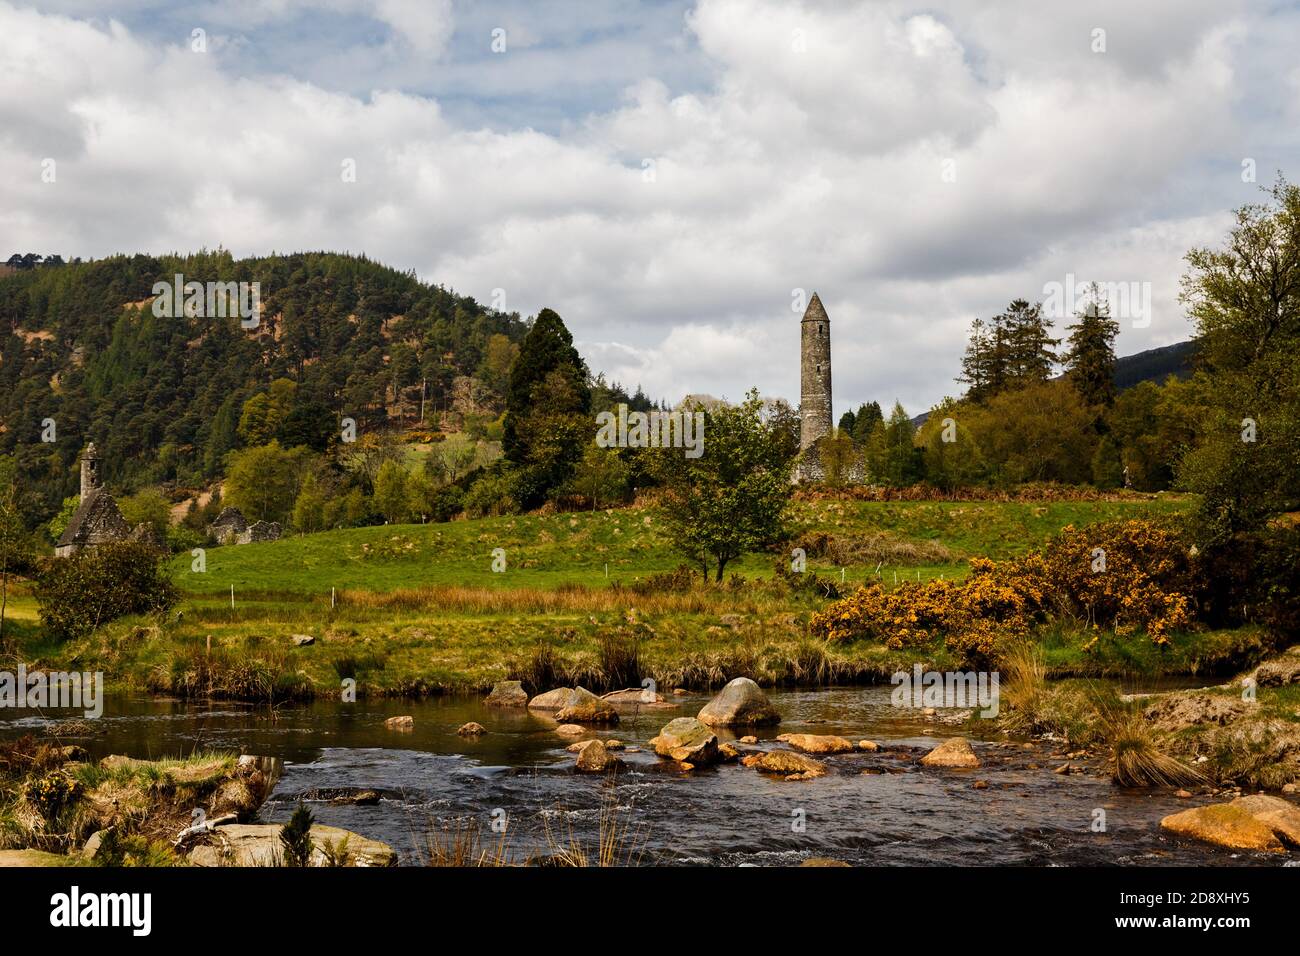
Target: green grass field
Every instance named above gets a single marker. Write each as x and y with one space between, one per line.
418 609
594 549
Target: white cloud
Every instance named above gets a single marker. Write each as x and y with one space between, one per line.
814 160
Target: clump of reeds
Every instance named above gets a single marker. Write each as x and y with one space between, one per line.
462 844
1136 759
1023 686
617 844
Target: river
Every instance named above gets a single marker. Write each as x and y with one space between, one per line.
730 815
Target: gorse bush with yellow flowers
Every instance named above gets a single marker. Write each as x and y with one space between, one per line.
1123 576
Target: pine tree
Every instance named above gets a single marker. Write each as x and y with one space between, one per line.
548 347
976 364
869 417
1090 361
1029 346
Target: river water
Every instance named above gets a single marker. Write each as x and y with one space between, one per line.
899 814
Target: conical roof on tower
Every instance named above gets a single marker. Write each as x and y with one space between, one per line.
816 312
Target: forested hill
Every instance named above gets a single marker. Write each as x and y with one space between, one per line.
1155 365
162 397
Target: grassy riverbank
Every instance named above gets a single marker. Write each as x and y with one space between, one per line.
417 609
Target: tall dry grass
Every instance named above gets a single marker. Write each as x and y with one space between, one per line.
571 598
1136 757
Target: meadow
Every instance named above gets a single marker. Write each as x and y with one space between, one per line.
585 597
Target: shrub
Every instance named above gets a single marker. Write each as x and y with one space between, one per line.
1276 582
295 838
1146 582
79 593
491 495
1125 575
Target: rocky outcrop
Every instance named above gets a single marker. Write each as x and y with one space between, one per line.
507 693
687 740
954 753
740 704
595 757
817 744
1224 824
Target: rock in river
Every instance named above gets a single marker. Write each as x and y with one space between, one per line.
472 729
1224 824
955 752
584 707
817 744
687 740
790 765
400 723
595 757
1281 815
740 703
575 704
507 693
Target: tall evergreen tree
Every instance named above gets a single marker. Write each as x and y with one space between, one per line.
1090 361
1030 348
548 347
869 417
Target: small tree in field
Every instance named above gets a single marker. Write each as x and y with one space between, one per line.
732 499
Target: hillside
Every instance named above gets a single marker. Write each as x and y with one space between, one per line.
1155 365
162 396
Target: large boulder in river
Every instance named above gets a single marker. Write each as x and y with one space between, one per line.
507 693
786 764
556 699
1281 815
817 743
595 757
740 703
687 740
584 707
1224 824
955 752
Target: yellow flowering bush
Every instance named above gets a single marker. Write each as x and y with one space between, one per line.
1123 575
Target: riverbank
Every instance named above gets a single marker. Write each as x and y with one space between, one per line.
461 640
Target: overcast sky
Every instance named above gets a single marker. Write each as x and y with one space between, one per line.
666 174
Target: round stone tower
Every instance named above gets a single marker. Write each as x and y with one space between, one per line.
89 471
814 374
